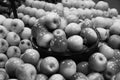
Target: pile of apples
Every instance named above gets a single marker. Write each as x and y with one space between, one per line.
61 27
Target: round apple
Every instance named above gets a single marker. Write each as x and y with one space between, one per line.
3 31
3 60
56 77
2 19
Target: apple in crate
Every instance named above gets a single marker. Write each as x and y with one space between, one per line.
30 56
7 23
13 38
68 68
11 65
41 77
20 15
3 74
26 19
49 65
3 60
26 71
39 13
29 2
32 21
3 45
3 31
13 51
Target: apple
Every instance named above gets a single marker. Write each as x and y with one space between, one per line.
114 29
113 12
38 65
59 41
13 38
30 56
88 13
2 19
95 76
56 77
51 20
13 51
29 2
97 62
3 75
116 77
27 10
43 39
17 25
3 60
87 23
11 65
25 19
68 68
25 44
49 65
49 7
32 21
104 33
21 8
102 5
42 4
26 71
73 44
112 69
26 33
41 77
106 50
83 67
7 23
72 18
67 3
72 29
39 13
32 12
3 31
114 41
20 15
63 23
79 76
3 45
59 8
35 4
106 14
100 13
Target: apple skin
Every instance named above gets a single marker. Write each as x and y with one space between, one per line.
13 38
32 12
113 12
2 19
20 15
49 7
17 25
72 29
52 20
97 62
114 41
26 71
83 67
106 50
67 68
11 65
21 8
26 33
32 21
41 77
3 31
7 23
49 65
3 45
63 23
39 13
3 74
112 69
73 44
95 76
28 2
3 60
79 76
13 51
56 77
25 19
30 56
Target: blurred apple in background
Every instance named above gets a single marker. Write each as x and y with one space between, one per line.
63 23
11 65
56 77
31 56
49 65
3 75
29 2
26 72
7 23
39 13
3 60
13 51
2 19
49 7
21 8
32 21
3 45
68 68
20 15
24 45
13 38
25 19
41 77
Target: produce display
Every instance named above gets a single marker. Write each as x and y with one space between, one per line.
33 45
